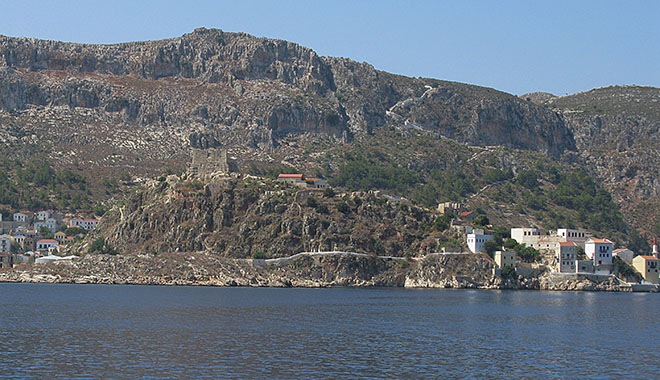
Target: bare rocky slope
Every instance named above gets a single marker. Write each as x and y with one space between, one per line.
256 217
139 105
137 108
617 133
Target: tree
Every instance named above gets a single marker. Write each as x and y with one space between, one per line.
528 178
329 192
343 207
509 271
442 222
510 243
97 245
491 246
481 220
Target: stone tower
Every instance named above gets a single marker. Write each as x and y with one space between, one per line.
206 162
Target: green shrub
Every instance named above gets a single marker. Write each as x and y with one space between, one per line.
258 255
509 271
343 207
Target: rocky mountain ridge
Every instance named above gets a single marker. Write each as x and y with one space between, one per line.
137 108
234 87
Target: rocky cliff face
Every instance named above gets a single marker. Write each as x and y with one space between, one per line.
124 104
261 218
617 133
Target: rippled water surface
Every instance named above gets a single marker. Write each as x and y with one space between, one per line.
149 332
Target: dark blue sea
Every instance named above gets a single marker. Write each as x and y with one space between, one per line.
153 332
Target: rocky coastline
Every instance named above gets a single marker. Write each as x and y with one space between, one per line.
312 270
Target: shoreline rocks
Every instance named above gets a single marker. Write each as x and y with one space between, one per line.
307 271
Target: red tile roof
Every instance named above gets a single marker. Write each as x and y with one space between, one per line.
567 244
466 213
46 241
620 250
291 176
601 241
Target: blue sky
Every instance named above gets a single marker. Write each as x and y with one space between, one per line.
515 46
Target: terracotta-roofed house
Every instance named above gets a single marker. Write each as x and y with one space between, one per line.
624 254
295 179
468 215
599 250
44 245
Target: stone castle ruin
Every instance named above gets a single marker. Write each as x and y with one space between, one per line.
206 162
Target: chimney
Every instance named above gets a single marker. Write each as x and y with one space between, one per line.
655 247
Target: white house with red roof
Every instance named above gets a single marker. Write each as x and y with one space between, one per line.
44 245
295 179
599 250
566 255
300 180
624 254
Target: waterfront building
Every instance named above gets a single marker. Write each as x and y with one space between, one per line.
504 258
566 256
584 266
647 266
599 250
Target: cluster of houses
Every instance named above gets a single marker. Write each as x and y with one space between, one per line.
38 236
300 181
563 246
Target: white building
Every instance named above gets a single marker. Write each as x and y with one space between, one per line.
20 217
624 254
51 224
39 225
88 224
5 243
599 250
566 256
296 179
316 183
44 245
47 259
43 215
504 258
525 235
576 236
475 242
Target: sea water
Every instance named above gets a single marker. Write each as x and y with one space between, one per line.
153 332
